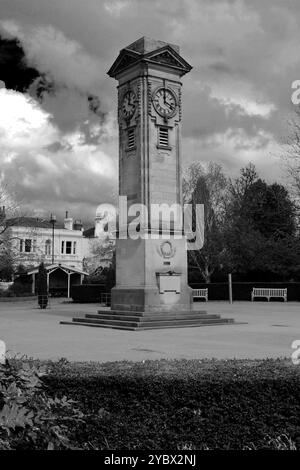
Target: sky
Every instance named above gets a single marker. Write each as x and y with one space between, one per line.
58 108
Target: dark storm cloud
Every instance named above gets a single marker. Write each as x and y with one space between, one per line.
14 71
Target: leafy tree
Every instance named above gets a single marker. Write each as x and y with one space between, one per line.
6 264
260 228
269 209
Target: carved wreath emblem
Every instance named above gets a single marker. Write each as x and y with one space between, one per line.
166 250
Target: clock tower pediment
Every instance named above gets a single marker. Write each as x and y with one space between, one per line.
125 59
165 55
169 57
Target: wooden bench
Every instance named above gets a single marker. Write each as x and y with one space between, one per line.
200 294
268 293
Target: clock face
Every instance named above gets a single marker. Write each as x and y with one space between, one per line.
129 104
164 101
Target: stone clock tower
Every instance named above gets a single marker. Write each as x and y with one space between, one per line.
151 277
151 270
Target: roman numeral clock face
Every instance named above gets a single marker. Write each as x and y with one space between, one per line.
164 102
129 104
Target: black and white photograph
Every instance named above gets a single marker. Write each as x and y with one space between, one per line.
150 228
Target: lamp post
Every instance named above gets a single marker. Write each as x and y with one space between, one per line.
52 221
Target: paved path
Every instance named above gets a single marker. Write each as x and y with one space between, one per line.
269 332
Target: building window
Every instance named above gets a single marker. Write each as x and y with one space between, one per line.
28 245
21 246
131 139
48 247
163 136
68 248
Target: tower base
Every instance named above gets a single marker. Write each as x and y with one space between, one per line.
150 299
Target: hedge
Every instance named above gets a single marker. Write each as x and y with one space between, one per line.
242 290
87 292
173 404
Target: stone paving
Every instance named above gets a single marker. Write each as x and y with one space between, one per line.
269 331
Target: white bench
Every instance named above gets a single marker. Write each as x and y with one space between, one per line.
200 294
268 293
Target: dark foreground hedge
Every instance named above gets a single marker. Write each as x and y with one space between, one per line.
175 404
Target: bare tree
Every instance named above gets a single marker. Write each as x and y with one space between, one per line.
10 214
207 185
9 209
291 153
102 250
239 186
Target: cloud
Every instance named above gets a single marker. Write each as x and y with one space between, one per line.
54 54
235 99
23 125
51 168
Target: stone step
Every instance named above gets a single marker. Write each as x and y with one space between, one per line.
95 325
146 314
113 316
166 325
148 324
224 321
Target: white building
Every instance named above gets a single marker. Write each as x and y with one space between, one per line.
33 240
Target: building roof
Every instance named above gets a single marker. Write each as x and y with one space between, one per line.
33 222
53 267
89 233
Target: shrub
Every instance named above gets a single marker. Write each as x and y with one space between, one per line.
170 404
6 293
87 292
20 288
152 405
29 418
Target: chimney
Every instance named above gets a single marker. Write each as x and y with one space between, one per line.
68 222
78 225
